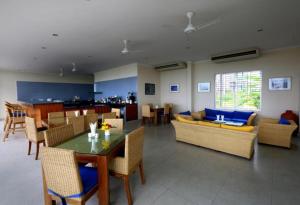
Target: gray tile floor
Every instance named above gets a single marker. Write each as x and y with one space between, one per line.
176 174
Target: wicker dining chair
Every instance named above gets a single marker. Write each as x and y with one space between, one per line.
58 135
64 179
72 113
15 119
123 167
108 115
117 124
34 135
90 118
165 116
56 119
78 124
117 111
89 111
147 114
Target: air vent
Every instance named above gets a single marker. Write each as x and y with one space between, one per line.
236 55
171 66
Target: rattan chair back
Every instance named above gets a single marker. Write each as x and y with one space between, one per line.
31 130
146 111
72 113
90 118
60 170
134 144
109 115
78 124
56 119
117 111
58 135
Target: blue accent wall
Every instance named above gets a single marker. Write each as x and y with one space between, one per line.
119 87
32 91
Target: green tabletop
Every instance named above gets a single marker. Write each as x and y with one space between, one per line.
84 145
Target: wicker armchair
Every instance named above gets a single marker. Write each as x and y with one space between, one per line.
34 135
270 132
90 118
123 167
117 111
78 124
15 115
58 135
117 124
64 179
109 115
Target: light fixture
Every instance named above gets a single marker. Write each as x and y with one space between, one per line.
74 67
44 47
55 34
190 28
125 49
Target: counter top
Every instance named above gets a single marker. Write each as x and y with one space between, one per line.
36 102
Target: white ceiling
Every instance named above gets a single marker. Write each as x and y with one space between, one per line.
91 31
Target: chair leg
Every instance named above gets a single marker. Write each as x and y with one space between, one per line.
29 147
141 168
127 189
143 120
6 132
37 150
14 128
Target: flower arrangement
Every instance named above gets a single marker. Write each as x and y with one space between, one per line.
105 126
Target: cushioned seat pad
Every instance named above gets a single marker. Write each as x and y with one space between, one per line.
89 178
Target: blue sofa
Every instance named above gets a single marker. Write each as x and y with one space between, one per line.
234 116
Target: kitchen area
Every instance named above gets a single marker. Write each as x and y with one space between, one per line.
40 98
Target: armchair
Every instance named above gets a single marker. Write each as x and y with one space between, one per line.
273 133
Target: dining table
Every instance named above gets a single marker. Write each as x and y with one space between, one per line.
98 151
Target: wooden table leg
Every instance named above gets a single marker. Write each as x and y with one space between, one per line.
155 116
103 179
47 197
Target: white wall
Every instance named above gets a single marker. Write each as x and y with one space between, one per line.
8 85
180 99
147 74
276 63
125 71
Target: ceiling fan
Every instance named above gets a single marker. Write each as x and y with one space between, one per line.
191 28
126 50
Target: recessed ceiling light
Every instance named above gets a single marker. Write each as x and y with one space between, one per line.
44 47
35 58
260 30
55 34
90 56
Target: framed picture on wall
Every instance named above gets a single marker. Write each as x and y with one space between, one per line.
283 83
149 89
204 87
174 88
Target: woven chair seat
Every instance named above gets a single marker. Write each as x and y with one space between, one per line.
19 119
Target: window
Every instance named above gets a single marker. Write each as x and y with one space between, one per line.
240 91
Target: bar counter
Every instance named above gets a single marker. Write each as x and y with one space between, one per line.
40 109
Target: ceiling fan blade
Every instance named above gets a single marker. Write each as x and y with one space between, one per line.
207 24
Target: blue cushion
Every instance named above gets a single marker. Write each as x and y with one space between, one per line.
227 114
185 113
211 113
241 115
239 120
210 118
89 178
284 121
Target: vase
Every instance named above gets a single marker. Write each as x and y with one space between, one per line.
106 134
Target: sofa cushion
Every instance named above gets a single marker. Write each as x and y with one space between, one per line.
209 124
227 114
241 115
185 113
182 119
242 128
284 121
211 114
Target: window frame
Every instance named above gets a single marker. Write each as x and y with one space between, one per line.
235 108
